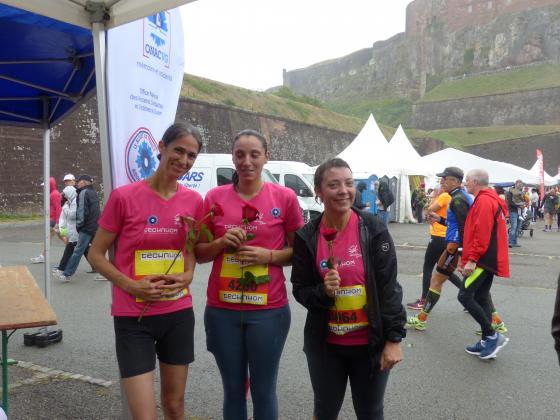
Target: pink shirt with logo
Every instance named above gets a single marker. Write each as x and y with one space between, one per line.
149 236
279 213
347 319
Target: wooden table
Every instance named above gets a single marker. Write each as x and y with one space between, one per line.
22 305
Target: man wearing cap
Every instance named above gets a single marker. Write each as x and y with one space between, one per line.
457 210
69 180
87 215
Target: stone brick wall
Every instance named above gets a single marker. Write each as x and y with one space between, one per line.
75 147
458 14
521 152
537 107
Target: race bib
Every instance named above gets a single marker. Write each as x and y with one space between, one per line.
231 291
348 314
159 261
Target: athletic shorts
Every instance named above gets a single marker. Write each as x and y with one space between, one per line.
169 336
448 260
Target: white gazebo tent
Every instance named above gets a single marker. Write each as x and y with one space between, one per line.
368 152
498 171
409 162
548 180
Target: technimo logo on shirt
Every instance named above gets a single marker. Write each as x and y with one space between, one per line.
140 155
157 43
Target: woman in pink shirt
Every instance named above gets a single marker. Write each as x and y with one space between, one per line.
344 271
151 273
247 316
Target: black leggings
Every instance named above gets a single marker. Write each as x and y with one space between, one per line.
330 374
435 248
68 251
475 297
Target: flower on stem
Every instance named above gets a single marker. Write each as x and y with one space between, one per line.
330 235
249 214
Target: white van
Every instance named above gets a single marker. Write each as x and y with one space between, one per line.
212 170
297 176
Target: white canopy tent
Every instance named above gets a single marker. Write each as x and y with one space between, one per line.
368 152
548 180
498 171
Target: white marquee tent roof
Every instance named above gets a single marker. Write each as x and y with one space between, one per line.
497 171
405 157
547 178
370 153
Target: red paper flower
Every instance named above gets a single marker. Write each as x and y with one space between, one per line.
328 233
249 213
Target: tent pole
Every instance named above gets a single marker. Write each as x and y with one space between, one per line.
99 44
47 210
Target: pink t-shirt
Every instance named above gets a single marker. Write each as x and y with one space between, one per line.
279 213
347 319
149 236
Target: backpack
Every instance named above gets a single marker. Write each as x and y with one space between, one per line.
385 194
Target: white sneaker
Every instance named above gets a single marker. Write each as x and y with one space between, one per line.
38 260
56 271
63 279
99 277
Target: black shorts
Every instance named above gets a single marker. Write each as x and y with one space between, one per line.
170 336
447 263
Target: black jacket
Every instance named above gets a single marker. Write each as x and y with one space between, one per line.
386 314
87 213
556 322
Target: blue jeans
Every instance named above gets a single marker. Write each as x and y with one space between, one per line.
513 220
83 242
254 349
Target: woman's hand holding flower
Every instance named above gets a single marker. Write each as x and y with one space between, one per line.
148 288
331 282
174 283
233 238
251 255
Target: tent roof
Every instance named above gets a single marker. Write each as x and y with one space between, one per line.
47 63
77 12
405 156
368 151
535 171
42 62
497 171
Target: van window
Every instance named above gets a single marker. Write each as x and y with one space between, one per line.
296 184
224 176
277 176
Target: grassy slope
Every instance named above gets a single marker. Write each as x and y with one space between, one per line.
267 103
529 78
459 137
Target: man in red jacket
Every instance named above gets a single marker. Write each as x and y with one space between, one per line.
485 254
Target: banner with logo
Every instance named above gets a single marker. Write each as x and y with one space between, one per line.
540 160
145 63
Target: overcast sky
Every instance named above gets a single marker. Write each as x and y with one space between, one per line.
248 42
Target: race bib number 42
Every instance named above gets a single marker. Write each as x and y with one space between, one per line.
232 292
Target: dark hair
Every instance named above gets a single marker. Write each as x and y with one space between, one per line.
331 163
180 129
242 133
499 190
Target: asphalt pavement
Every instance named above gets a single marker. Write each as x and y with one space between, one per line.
78 378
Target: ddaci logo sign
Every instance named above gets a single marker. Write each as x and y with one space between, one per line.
140 155
157 40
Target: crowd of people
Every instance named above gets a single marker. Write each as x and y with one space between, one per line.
74 214
344 273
